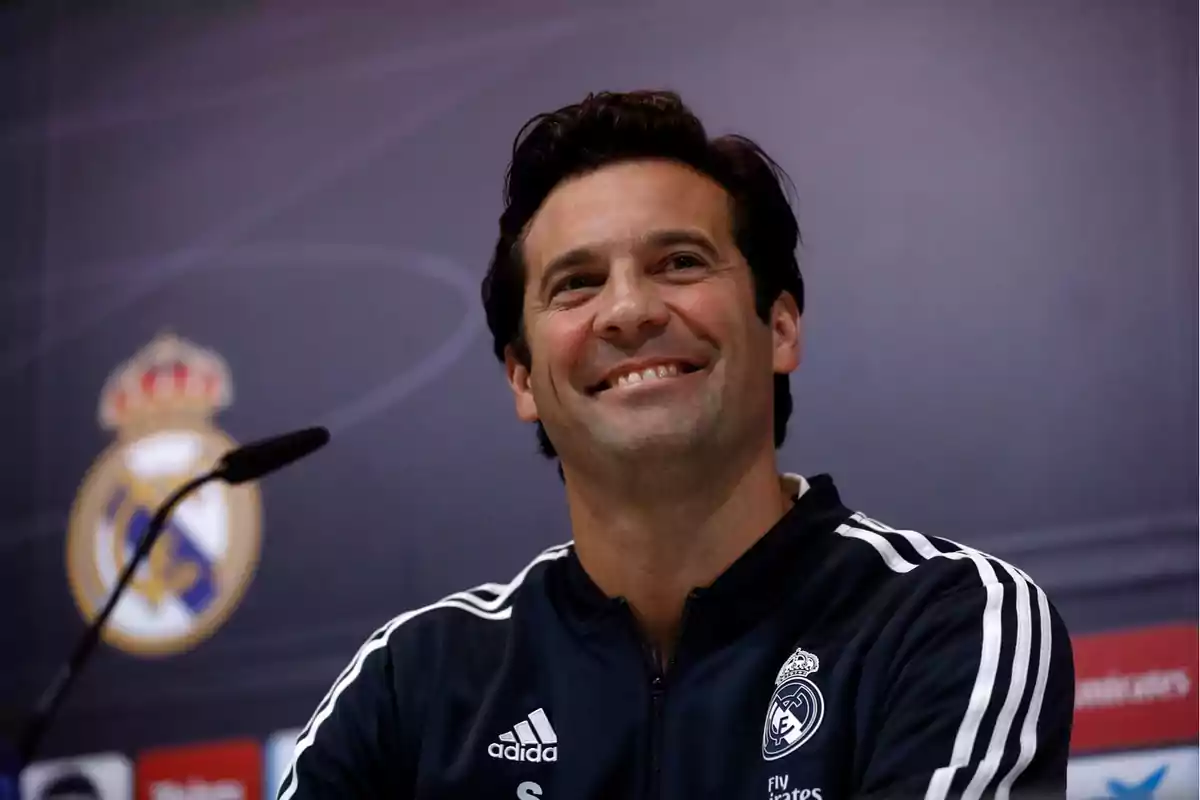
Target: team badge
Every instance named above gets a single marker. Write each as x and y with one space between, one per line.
160 405
796 708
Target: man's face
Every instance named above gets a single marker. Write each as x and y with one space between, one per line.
640 320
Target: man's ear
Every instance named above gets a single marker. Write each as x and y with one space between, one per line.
519 381
787 334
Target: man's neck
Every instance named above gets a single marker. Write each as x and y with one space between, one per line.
654 547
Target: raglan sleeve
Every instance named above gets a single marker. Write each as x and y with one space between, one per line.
359 742
979 697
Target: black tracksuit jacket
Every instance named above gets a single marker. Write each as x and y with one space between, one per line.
836 658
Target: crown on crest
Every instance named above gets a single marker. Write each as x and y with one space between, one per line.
801 664
168 377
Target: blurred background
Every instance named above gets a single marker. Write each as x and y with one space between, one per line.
999 208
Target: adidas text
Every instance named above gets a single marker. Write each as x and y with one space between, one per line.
516 752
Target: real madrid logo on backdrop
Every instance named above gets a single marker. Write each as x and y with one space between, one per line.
160 404
796 708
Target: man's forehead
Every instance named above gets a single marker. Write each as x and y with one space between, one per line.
624 205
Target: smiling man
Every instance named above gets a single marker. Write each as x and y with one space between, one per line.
715 628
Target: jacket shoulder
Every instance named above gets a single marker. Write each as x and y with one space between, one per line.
461 617
933 563
362 738
973 665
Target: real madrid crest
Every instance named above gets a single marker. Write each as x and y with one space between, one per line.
160 404
796 708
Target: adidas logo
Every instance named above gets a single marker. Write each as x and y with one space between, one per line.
531 739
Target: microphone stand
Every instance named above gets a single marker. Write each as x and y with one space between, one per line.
52 698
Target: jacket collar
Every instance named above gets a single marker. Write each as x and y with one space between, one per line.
740 596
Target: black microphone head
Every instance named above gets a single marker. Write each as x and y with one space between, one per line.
252 461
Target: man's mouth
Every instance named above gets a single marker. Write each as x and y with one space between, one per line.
637 375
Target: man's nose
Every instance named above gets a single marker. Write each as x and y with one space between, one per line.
631 308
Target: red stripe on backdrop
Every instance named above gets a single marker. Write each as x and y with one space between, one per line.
1136 688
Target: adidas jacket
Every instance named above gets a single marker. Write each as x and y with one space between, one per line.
837 658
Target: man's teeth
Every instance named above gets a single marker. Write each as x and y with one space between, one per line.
648 374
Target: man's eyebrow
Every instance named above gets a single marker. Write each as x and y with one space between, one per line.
673 237
569 260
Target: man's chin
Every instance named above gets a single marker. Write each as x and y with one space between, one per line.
645 438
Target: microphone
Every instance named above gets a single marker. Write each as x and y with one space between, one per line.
253 461
247 463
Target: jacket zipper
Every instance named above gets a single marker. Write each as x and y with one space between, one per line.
658 690
658 687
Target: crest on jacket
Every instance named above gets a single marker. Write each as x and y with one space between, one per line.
796 708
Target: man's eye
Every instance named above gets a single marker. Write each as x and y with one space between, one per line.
575 283
684 261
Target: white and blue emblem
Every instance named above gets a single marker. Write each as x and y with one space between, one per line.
160 404
796 708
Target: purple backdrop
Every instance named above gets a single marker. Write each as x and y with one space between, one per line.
999 208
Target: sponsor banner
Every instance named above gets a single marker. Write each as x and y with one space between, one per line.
1154 775
280 748
229 770
1136 689
103 776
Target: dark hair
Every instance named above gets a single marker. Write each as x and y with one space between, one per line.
607 128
